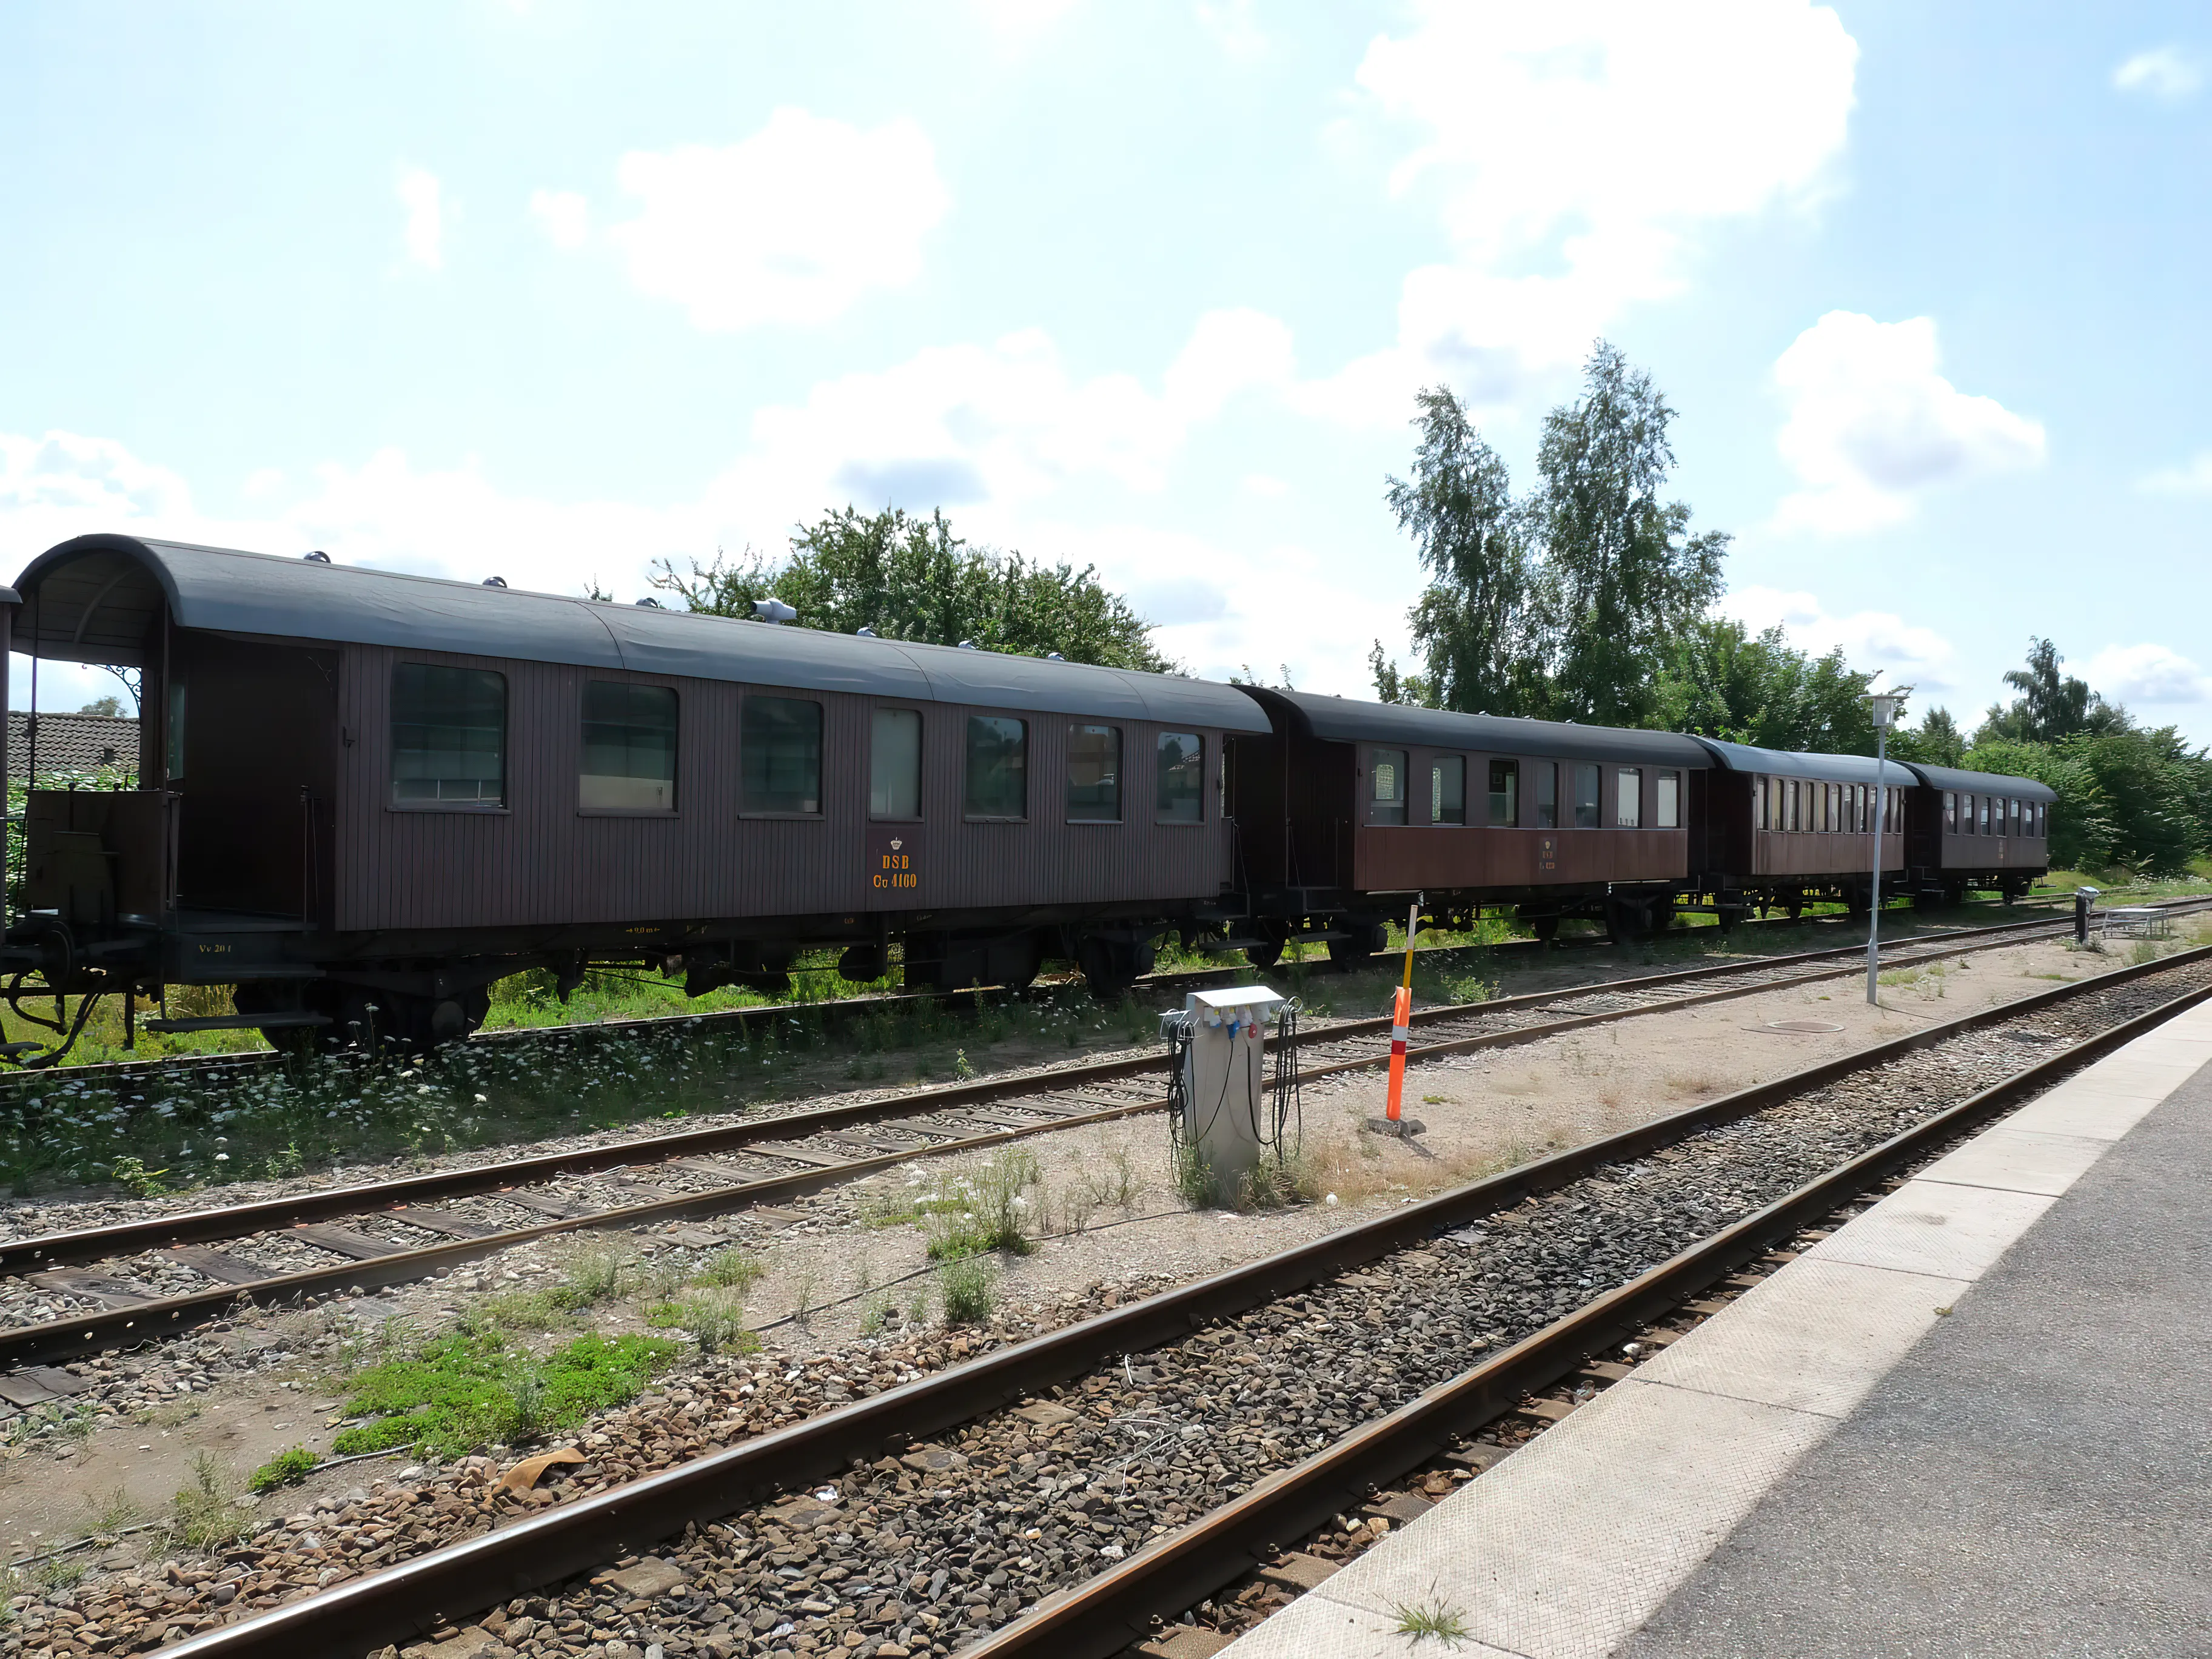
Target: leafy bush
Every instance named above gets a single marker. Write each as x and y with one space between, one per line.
285 1470
964 1288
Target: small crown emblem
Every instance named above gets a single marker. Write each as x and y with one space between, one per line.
896 843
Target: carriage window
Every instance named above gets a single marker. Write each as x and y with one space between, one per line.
1983 819
1628 797
2012 816
1504 793
1387 776
1180 757
1586 795
1448 790
1670 801
2043 818
1759 803
1094 774
630 748
1951 811
895 765
1544 777
448 736
780 742
176 735
998 768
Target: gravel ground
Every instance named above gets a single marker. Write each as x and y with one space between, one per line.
921 1553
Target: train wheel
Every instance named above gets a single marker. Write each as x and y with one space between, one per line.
1366 939
1111 967
1264 956
1545 928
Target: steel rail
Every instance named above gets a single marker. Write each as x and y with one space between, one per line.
405 1601
139 1322
264 1058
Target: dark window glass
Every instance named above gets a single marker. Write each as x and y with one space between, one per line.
781 747
1094 774
1448 790
1951 811
895 765
1544 776
1386 772
1180 760
2012 816
630 748
1982 814
998 768
1670 801
1504 793
448 736
1628 792
2043 818
176 728
1759 803
1586 795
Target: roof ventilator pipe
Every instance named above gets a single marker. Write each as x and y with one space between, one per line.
773 610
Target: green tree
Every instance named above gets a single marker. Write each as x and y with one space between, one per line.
1936 742
2082 832
911 578
1720 681
1471 624
1622 578
2052 705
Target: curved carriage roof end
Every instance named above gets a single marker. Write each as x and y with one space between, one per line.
94 598
1350 720
1982 783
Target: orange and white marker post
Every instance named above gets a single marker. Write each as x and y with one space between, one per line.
1402 1023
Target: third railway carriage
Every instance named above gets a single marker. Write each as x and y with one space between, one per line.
1345 808
1772 828
364 796
1978 830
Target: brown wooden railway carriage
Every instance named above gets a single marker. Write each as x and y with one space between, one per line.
1345 809
1770 829
1979 830
360 786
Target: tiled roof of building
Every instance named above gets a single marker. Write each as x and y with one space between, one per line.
71 742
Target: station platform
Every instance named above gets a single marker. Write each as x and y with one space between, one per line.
1976 1420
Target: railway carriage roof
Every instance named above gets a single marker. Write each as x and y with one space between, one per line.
1789 763
1981 783
1348 720
94 599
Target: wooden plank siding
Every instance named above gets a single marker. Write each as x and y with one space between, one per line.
541 860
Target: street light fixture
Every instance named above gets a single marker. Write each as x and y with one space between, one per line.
1883 707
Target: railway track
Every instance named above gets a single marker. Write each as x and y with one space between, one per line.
77 1293
240 1063
1065 1494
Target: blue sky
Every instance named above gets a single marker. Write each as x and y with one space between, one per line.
551 290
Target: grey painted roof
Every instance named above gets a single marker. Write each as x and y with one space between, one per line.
1982 783
94 599
1787 763
1348 720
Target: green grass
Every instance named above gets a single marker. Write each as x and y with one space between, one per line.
472 1386
287 1468
1431 1621
201 1515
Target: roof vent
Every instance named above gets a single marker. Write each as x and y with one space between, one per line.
967 645
316 558
494 581
773 610
649 603
864 632
1053 656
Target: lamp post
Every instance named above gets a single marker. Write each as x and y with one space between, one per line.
1883 708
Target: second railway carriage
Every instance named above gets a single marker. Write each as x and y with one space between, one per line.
1771 828
1978 830
1345 809
359 788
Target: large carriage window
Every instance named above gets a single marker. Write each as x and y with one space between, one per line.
1504 793
1387 774
630 748
1448 790
1792 793
998 784
448 736
2012 816
1180 757
2043 818
1670 801
895 765
1544 781
1586 795
1982 818
1951 811
780 744
1759 803
1094 774
1628 797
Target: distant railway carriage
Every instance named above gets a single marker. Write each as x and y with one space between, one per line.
1978 830
1346 808
360 788
1769 827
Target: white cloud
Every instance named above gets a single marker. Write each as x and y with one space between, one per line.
1872 424
1572 155
563 215
2193 479
2147 674
2162 72
1905 653
424 233
1235 27
793 225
